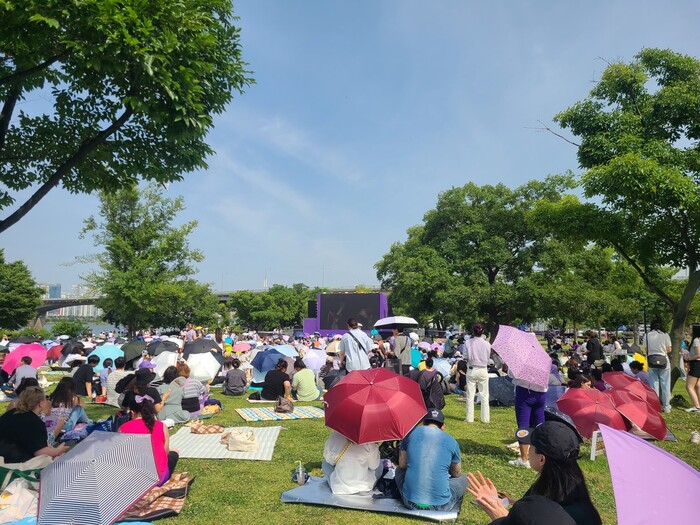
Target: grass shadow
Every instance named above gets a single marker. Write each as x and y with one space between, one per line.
469 446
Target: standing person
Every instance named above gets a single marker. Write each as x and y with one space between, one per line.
429 475
658 344
594 350
24 370
354 347
402 350
477 374
692 357
190 334
529 412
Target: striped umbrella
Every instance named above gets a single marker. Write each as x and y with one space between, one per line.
98 480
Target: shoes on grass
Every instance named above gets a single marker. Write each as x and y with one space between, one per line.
692 409
695 438
519 463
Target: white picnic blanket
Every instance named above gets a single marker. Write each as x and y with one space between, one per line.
207 446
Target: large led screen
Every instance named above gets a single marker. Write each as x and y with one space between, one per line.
336 308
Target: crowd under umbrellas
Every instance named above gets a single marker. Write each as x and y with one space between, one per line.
377 404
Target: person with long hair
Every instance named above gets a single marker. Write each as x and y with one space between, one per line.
692 357
553 454
172 395
194 393
277 382
144 421
65 403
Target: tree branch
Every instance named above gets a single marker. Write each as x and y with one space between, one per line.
6 113
18 76
85 149
547 128
650 285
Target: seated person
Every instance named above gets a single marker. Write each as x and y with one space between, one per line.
350 468
23 433
277 382
140 386
553 454
84 378
458 381
172 394
326 375
429 475
582 381
304 383
235 381
108 368
113 379
639 373
24 370
598 383
65 404
194 393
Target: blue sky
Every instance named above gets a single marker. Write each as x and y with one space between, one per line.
363 112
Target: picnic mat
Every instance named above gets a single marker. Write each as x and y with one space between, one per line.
269 414
317 492
260 401
207 446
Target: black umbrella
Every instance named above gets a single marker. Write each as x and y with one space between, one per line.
72 347
501 391
158 347
200 346
133 349
22 339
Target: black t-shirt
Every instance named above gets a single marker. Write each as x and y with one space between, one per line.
83 375
143 391
21 435
595 350
274 384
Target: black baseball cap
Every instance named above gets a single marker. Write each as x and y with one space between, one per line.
552 439
435 415
535 510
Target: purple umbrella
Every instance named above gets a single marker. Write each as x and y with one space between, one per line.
524 355
424 345
634 463
314 359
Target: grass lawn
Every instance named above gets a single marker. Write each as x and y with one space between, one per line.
251 490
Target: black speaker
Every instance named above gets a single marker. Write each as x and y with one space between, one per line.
312 308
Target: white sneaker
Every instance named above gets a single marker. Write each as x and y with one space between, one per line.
695 438
692 409
667 410
519 463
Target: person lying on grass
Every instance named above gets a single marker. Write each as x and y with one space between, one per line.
553 453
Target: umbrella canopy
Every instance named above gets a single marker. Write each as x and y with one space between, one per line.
54 352
203 366
442 365
424 345
106 351
158 347
373 405
314 359
163 361
133 349
332 347
287 350
398 321
501 391
525 357
588 408
24 339
200 346
634 385
97 480
241 347
634 463
71 347
638 412
266 359
14 359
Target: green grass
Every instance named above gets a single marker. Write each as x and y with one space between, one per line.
252 488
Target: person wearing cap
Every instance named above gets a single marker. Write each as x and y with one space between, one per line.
429 475
553 454
354 347
478 351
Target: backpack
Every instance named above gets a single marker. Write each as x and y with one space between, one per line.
431 388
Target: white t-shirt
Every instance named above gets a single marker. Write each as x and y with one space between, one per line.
355 470
657 342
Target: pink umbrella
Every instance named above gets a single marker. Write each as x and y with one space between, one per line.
34 350
634 463
241 347
436 346
424 345
638 412
588 408
524 355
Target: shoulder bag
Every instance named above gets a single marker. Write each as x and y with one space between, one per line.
284 405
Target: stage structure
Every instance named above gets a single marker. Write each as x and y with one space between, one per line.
330 312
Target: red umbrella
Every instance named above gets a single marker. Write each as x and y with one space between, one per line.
638 412
54 352
588 407
373 405
634 385
33 350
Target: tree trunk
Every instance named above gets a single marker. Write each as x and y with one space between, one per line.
680 317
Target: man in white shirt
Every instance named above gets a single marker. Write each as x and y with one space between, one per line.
658 343
354 346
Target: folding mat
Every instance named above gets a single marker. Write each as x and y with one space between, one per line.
317 492
207 446
269 414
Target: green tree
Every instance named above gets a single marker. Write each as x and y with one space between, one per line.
71 328
144 271
279 307
19 294
639 130
133 87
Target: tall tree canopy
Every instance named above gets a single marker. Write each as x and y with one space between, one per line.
145 268
132 87
639 133
19 294
279 307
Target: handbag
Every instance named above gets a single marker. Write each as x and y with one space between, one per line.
284 405
29 470
657 361
240 441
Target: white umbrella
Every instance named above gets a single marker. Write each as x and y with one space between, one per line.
163 361
203 366
315 359
397 321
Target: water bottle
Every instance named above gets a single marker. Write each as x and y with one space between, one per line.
300 473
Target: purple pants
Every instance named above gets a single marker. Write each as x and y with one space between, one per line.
529 407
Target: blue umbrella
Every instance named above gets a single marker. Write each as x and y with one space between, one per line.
622 328
266 359
286 350
106 351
